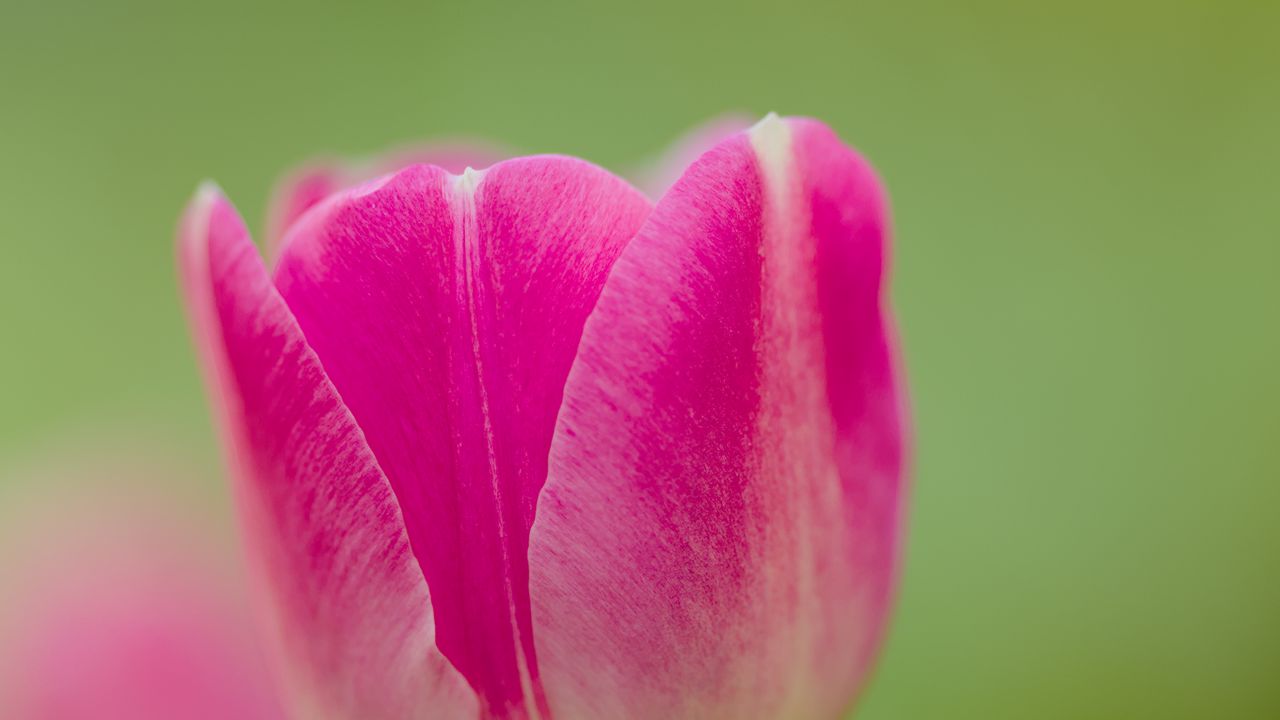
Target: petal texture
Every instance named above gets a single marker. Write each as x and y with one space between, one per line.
718 534
349 605
307 186
447 311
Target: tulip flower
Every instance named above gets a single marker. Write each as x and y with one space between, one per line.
521 443
114 605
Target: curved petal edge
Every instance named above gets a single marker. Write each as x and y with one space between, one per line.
719 532
309 185
347 605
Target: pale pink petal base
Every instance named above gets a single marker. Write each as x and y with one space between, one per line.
116 606
346 598
719 531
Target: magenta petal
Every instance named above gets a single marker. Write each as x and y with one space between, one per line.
447 311
719 530
307 186
350 605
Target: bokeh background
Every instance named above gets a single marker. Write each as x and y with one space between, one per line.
1087 204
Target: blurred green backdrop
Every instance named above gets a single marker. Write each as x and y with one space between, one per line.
1087 247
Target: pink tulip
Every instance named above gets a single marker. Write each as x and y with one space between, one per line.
114 607
519 443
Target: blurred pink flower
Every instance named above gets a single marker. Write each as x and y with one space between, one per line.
116 608
519 443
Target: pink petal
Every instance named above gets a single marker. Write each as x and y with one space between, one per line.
447 311
305 187
350 605
658 178
115 608
719 531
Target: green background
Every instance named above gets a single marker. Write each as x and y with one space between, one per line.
1085 273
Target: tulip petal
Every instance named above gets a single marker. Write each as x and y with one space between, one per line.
349 603
718 534
307 186
447 311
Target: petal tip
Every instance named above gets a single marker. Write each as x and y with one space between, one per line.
467 181
771 140
207 189
208 193
768 126
195 216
